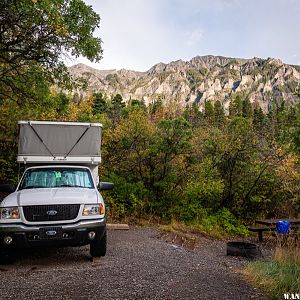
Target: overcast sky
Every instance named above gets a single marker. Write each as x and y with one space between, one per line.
137 34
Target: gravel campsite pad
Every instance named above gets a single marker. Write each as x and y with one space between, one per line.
138 265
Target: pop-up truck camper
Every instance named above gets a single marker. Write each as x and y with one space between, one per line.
56 202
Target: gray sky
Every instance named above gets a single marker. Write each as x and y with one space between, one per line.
137 34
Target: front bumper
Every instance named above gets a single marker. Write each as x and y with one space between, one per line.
75 234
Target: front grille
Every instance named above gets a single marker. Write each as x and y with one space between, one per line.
38 213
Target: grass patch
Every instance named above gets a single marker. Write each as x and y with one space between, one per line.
279 275
208 227
219 225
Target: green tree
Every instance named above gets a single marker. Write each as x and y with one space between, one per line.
236 106
168 152
219 113
117 103
139 103
209 111
296 118
35 38
236 157
193 115
296 133
150 156
116 106
247 111
259 119
99 104
127 160
63 101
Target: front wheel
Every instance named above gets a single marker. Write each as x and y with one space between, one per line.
98 246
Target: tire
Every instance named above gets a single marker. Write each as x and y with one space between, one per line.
98 246
7 257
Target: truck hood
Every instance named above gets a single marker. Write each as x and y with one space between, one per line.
47 196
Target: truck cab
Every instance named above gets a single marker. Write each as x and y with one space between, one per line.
55 203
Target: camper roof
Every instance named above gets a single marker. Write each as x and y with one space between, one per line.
52 142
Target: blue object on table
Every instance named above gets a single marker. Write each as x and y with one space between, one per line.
283 227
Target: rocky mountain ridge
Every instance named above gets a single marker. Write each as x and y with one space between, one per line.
203 78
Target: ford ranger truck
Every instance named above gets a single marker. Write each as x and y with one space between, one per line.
57 202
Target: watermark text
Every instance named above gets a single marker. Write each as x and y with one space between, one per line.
291 295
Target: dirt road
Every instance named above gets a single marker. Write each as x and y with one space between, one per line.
138 265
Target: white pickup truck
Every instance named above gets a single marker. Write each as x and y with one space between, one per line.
57 202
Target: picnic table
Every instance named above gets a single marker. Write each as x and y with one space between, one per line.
272 222
270 225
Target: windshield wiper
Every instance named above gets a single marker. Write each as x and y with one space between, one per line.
31 187
70 185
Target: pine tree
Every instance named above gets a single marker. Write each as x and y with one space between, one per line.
247 108
219 113
259 119
117 102
281 116
236 106
136 102
116 106
296 133
99 104
209 111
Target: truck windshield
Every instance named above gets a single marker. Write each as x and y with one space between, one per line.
56 177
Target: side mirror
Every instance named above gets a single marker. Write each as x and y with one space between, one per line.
102 186
7 188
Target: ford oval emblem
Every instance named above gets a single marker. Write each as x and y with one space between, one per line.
51 232
51 212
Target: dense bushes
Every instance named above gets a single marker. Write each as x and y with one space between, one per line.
174 163
178 170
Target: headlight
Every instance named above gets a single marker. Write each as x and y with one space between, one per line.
8 213
93 209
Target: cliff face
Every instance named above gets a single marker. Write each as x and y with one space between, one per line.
203 78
